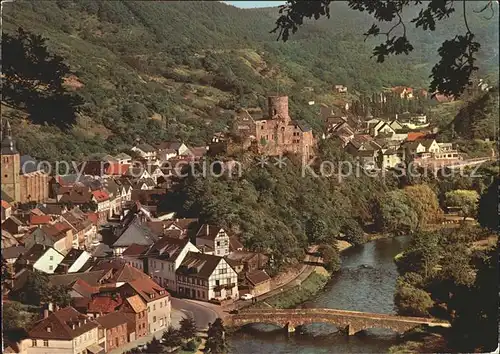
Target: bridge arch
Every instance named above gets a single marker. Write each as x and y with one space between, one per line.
351 322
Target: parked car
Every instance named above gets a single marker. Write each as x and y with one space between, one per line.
246 297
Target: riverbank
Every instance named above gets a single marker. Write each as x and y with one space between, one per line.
313 281
297 295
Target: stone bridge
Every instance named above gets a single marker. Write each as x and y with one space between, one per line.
349 321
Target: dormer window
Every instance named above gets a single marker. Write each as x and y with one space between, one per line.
49 329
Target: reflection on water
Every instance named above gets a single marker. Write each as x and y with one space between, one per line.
365 283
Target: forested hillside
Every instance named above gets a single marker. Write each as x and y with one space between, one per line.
180 69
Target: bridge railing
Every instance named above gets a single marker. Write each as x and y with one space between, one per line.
325 311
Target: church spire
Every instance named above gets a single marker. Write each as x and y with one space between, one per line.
8 145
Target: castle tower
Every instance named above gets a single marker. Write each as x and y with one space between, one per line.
278 107
11 165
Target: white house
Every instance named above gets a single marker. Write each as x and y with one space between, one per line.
42 258
382 128
389 158
206 277
431 146
146 151
66 331
419 119
165 257
123 158
212 240
74 261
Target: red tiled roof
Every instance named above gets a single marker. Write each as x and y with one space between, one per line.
104 304
40 219
135 250
62 226
94 217
112 320
100 195
65 324
415 136
146 287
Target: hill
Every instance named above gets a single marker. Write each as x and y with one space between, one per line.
180 69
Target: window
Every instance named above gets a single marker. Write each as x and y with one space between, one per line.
154 307
161 304
218 243
149 309
223 271
51 267
217 283
154 319
217 293
229 291
33 342
51 258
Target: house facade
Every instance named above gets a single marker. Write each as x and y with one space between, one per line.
213 240
207 277
157 302
165 257
115 324
66 331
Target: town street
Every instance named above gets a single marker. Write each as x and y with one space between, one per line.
203 314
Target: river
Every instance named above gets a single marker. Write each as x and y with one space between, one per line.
365 282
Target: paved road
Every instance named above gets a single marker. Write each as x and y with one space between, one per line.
200 313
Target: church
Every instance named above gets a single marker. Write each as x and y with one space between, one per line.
22 182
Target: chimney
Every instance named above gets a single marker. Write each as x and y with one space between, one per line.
45 315
73 326
56 307
208 229
49 329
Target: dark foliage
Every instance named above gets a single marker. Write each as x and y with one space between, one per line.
32 79
450 76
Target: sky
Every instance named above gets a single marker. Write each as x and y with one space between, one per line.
252 4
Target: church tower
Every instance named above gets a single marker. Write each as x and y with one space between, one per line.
11 165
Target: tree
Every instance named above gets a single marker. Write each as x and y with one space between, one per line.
450 76
421 256
33 80
331 257
489 206
393 212
425 203
216 337
154 346
60 296
172 337
475 324
353 232
465 201
188 328
15 316
36 290
411 301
